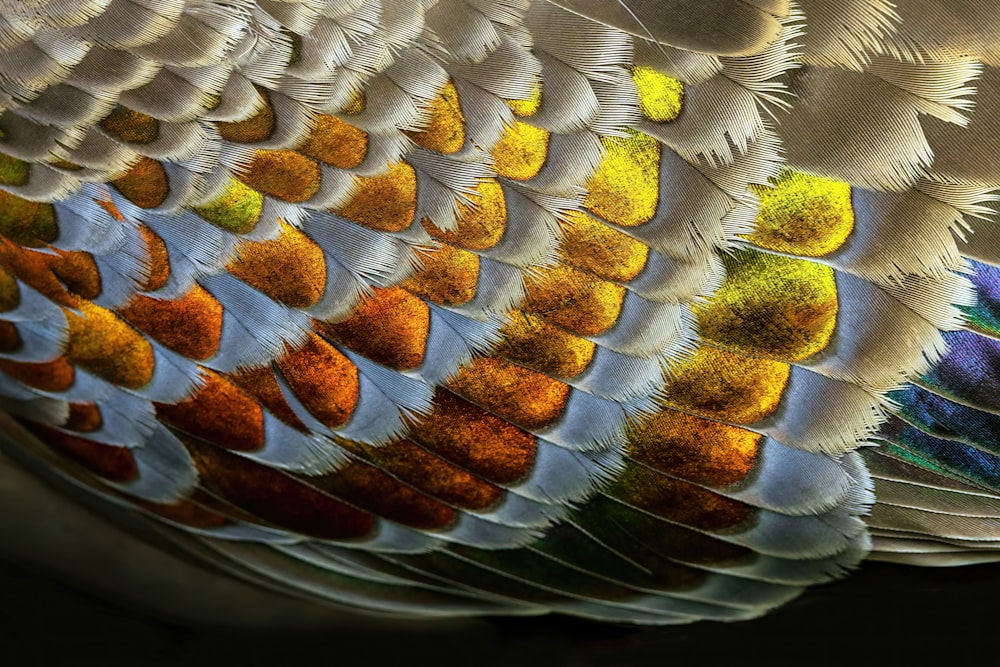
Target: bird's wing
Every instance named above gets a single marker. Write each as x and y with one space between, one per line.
468 306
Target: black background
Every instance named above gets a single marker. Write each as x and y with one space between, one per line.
892 614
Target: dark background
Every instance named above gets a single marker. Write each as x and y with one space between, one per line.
893 614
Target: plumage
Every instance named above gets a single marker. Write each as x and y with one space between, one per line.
643 312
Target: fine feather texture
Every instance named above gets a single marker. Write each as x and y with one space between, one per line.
513 307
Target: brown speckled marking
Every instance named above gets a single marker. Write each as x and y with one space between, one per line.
258 127
389 327
26 222
275 497
322 379
595 247
105 345
283 174
218 412
449 276
289 269
334 142
159 260
445 131
727 386
521 152
387 203
530 341
186 513
679 501
10 293
576 301
10 338
78 272
115 464
699 450
433 475
131 126
476 440
190 325
145 184
262 385
525 397
480 223
371 489
56 375
35 269
83 418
